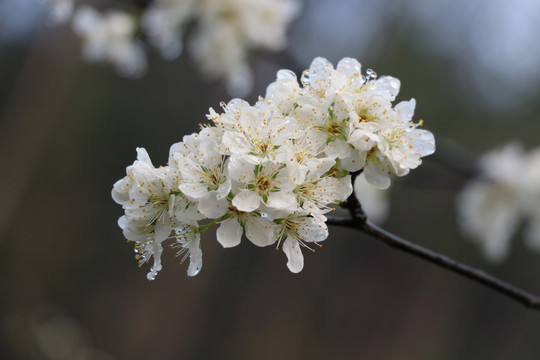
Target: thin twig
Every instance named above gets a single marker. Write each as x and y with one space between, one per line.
529 300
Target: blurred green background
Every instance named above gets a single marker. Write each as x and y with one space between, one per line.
69 284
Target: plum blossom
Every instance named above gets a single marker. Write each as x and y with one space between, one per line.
297 231
153 207
492 206
272 170
224 34
109 38
60 10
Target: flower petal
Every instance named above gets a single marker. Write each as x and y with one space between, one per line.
212 207
260 231
195 257
282 201
295 258
229 233
376 177
246 200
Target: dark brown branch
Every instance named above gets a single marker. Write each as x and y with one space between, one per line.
362 224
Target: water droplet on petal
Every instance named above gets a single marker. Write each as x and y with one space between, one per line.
370 75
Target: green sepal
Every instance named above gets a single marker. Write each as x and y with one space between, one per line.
257 170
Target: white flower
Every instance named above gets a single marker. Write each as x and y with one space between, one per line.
164 22
400 147
317 191
153 208
273 169
296 231
146 249
335 121
201 168
489 213
230 29
284 92
267 183
220 53
323 81
490 208
259 230
264 23
255 132
223 36
60 10
109 38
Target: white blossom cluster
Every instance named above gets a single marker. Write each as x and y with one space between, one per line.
491 207
225 33
274 169
59 10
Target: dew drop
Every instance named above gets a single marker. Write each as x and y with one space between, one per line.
305 78
370 75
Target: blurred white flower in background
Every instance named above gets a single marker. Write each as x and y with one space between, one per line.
109 38
225 34
491 207
164 23
60 10
374 201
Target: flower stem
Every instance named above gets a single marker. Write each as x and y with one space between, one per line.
364 225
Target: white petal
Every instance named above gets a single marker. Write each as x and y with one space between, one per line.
376 177
229 233
236 143
193 189
156 267
162 231
295 258
142 155
260 231
224 189
212 207
119 195
424 142
388 86
319 74
247 200
314 229
282 201
405 110
240 170
337 149
195 257
355 161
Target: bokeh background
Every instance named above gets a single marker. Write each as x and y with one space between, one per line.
69 284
